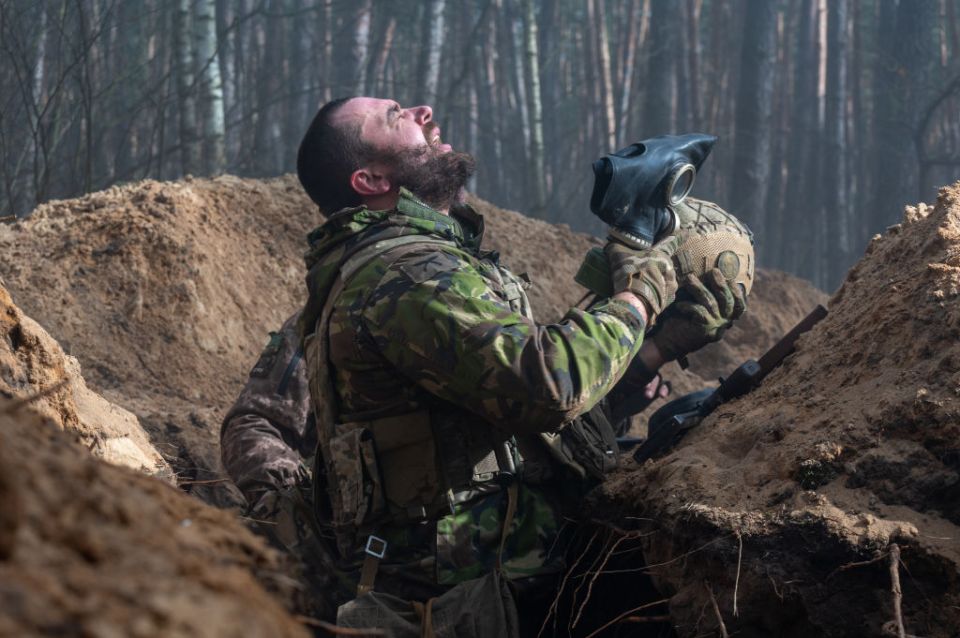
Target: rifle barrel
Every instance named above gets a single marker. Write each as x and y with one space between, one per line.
782 349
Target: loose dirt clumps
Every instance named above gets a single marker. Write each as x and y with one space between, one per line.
90 549
32 364
786 504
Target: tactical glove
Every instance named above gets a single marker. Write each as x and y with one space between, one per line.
689 325
648 273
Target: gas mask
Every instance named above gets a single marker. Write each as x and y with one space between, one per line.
636 189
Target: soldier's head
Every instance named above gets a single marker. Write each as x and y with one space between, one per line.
361 150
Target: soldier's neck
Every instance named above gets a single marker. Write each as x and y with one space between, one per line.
388 201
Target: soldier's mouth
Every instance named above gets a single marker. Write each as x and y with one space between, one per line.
432 136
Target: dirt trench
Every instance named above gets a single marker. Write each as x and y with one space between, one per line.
165 293
160 291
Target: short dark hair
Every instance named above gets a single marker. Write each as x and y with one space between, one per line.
328 155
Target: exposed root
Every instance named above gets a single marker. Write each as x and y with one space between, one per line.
736 583
628 613
861 563
895 589
606 558
204 482
716 611
640 619
552 612
645 569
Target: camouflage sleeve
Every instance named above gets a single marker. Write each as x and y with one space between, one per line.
265 432
438 320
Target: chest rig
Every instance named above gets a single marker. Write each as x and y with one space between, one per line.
418 463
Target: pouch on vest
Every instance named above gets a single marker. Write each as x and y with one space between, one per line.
406 453
354 477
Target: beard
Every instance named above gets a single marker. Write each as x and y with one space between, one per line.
437 178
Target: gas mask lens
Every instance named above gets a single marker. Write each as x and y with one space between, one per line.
679 183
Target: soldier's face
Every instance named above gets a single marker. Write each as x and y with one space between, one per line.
408 150
386 126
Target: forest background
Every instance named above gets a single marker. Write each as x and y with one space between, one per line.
832 114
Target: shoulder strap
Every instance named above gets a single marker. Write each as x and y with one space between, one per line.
317 346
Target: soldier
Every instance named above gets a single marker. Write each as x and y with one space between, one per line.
452 427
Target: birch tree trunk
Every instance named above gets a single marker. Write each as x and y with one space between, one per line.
361 45
536 110
225 12
187 103
37 152
430 72
210 86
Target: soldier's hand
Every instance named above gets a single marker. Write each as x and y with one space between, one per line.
647 273
714 304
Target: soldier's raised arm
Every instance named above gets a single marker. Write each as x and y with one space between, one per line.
437 319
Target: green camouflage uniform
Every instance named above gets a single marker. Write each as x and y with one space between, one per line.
444 327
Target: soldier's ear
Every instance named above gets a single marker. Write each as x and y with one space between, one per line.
370 180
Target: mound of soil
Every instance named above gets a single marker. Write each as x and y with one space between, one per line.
786 505
34 367
166 291
91 549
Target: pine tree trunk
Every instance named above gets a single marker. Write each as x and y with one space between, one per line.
835 179
906 66
751 155
660 85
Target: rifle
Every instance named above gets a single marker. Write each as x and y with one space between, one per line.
671 422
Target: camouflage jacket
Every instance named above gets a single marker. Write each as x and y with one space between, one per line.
266 433
444 325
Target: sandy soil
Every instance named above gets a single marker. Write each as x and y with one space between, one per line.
91 549
786 495
32 364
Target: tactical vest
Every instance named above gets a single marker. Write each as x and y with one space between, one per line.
408 467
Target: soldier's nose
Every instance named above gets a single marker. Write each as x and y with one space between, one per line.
422 114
